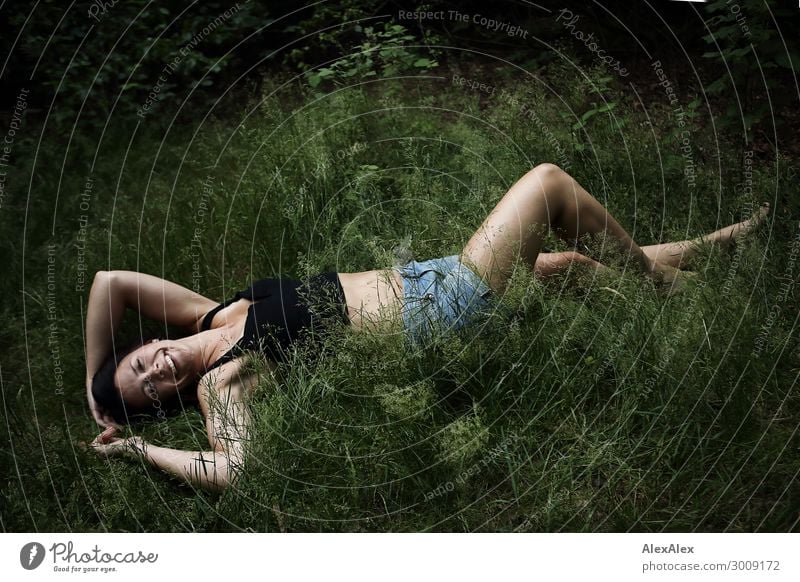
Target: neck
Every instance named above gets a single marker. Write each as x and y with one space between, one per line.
202 349
207 347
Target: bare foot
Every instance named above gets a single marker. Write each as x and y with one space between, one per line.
734 232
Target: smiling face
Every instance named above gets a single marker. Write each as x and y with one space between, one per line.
154 372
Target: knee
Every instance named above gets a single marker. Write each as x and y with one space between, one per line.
552 182
550 176
548 170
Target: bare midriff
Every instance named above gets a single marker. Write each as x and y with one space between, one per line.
373 298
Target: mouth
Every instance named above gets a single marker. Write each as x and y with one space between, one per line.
171 364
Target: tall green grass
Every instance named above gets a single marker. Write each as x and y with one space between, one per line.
583 404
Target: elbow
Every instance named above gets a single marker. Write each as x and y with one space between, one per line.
112 281
222 481
220 485
231 476
103 277
108 275
225 477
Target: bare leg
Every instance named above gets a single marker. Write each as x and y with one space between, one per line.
674 254
551 264
543 198
677 253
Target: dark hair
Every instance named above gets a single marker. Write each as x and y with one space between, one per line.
107 394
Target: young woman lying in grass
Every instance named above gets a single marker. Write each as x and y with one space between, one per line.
273 313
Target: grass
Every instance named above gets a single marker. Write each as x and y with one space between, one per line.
590 405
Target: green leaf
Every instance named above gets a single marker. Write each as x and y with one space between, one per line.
589 114
724 32
719 85
740 52
782 59
716 6
422 63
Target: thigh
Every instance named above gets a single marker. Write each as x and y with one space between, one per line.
515 228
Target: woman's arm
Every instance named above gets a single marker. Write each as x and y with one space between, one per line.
114 291
212 470
227 420
222 401
103 316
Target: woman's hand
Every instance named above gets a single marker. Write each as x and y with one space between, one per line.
107 445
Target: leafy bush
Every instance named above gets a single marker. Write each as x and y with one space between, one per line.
93 61
383 53
747 41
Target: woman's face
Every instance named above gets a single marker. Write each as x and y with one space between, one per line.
154 372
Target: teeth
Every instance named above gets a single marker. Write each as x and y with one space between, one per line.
171 365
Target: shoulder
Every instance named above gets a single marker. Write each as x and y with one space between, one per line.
230 381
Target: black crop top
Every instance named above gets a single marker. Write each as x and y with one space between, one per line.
283 311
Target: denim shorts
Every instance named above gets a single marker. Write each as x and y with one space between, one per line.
440 295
